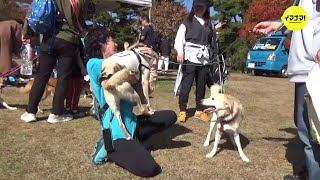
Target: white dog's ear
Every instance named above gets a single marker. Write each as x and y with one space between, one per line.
126 45
215 89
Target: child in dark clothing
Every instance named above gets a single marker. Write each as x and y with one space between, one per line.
75 84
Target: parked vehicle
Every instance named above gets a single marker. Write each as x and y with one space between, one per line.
269 55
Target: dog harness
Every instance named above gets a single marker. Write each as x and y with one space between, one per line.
129 60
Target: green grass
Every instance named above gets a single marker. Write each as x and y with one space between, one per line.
63 151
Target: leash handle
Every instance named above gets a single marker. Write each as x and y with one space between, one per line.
16 68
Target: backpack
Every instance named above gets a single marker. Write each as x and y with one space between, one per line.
43 17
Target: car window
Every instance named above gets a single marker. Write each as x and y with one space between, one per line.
266 44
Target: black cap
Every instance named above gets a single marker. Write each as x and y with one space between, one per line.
202 2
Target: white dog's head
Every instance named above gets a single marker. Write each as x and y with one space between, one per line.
217 102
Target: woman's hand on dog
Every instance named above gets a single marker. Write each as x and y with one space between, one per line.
145 50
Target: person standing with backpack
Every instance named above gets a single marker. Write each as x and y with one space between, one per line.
60 46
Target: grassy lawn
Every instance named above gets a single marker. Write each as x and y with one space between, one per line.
63 151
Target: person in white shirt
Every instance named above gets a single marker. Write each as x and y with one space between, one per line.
192 44
304 55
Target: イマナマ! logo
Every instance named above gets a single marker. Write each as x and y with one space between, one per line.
295 18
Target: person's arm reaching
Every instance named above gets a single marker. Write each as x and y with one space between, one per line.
267 27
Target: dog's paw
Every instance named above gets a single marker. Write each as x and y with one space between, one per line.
150 112
210 155
12 108
129 138
245 159
205 144
151 109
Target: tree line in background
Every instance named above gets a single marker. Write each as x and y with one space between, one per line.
240 17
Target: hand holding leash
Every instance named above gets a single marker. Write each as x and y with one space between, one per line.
318 57
180 58
266 27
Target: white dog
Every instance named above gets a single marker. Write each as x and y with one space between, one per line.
227 113
2 102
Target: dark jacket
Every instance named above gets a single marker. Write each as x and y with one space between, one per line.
165 47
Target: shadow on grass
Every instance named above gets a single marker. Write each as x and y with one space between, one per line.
294 151
228 144
190 112
19 106
164 140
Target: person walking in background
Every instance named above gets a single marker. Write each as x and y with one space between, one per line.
165 51
60 48
304 55
147 31
192 40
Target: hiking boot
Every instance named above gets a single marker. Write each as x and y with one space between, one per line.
202 116
56 118
182 117
28 117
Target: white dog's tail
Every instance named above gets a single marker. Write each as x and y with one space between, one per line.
215 89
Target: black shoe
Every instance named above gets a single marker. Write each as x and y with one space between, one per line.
292 177
78 114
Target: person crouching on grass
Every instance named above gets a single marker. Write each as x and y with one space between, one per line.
131 155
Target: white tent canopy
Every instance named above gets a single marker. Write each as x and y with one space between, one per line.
145 3
112 4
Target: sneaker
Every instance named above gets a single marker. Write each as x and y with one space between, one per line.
28 117
201 115
56 118
182 117
77 113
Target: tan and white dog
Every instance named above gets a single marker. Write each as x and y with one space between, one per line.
228 113
2 102
126 75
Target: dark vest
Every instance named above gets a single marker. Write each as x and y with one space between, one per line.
196 33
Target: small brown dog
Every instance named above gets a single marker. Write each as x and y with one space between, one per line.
2 85
50 88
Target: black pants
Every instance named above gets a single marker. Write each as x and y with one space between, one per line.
51 52
191 72
132 155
